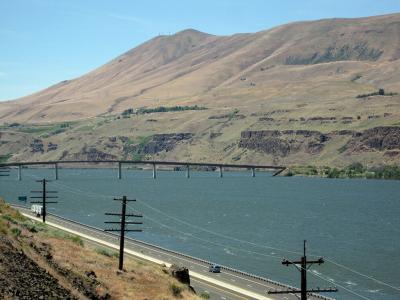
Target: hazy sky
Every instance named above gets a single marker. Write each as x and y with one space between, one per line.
43 42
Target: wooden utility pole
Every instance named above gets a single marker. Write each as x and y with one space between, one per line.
4 171
304 263
122 228
44 197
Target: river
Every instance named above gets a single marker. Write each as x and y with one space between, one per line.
248 223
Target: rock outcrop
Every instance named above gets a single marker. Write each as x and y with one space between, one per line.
37 146
281 143
180 273
93 154
375 139
159 142
22 278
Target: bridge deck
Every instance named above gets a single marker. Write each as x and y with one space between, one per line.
144 162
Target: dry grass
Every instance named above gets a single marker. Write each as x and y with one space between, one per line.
327 89
140 280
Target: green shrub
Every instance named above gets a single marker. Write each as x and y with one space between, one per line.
385 172
76 239
342 149
63 235
106 252
3 227
161 109
205 295
334 173
175 290
9 218
16 231
34 226
289 173
380 92
5 157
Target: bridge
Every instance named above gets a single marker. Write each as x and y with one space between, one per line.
154 164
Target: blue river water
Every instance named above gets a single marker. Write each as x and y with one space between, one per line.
248 223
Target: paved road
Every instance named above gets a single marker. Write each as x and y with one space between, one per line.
228 284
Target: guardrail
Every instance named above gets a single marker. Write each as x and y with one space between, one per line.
270 281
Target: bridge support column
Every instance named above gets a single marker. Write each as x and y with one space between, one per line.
119 170
253 172
187 171
154 171
220 172
19 173
56 170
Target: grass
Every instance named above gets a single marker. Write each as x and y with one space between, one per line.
176 290
107 252
15 231
205 295
33 226
139 280
342 149
3 227
5 157
140 143
64 235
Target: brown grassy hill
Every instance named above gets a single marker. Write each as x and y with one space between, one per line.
194 67
287 95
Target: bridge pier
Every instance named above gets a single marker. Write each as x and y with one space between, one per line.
19 172
154 171
56 170
220 172
187 171
253 172
119 170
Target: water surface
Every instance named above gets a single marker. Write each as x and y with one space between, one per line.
248 223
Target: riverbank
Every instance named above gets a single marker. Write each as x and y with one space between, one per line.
58 265
356 170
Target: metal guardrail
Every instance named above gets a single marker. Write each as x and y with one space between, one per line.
270 281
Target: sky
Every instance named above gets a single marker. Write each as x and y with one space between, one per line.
43 42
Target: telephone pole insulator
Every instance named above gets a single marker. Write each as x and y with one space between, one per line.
122 228
304 263
44 196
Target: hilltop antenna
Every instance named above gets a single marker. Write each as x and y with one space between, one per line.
122 228
44 197
303 270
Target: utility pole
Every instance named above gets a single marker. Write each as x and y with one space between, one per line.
4 171
122 228
304 266
44 197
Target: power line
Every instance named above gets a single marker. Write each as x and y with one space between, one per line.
93 195
363 275
123 228
44 196
4 171
336 284
304 266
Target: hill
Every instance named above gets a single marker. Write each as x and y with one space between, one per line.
41 262
308 91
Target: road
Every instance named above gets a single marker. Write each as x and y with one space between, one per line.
229 284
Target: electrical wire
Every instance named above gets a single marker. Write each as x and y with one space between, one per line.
92 195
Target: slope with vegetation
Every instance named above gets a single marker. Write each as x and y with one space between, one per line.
39 262
308 93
